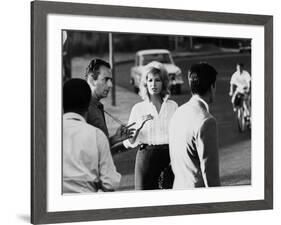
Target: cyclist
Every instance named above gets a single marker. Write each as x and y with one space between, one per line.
242 80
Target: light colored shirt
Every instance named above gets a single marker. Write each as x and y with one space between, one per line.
241 80
87 161
155 131
193 146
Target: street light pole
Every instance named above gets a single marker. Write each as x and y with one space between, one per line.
191 42
111 61
176 43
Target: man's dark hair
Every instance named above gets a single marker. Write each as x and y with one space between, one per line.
76 96
93 68
201 77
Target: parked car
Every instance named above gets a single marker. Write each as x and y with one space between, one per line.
163 56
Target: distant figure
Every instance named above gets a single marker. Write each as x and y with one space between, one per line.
152 117
99 77
87 161
193 133
241 80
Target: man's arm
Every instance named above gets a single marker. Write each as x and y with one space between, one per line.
231 89
232 84
109 177
208 152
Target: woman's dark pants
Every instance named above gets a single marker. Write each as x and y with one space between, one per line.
151 160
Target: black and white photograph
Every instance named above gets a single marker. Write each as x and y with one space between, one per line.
140 112
154 112
146 112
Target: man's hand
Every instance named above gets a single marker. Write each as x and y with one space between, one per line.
122 133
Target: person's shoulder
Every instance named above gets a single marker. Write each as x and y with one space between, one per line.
247 73
208 126
185 106
90 131
172 103
234 77
181 110
89 128
209 121
180 116
140 105
235 74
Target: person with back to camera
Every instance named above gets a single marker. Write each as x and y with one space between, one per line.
87 162
193 134
152 117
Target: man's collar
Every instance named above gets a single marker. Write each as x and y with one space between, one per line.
96 102
73 116
197 97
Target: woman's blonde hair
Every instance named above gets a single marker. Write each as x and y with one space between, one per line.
154 68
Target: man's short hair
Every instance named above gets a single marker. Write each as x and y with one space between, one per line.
76 96
93 68
201 77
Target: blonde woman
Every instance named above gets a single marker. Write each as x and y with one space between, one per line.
152 117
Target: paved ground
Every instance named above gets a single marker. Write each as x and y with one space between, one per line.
234 147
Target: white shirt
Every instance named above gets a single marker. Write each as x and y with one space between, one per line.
241 80
155 131
193 146
87 158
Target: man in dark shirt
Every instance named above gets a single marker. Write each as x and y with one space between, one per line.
99 77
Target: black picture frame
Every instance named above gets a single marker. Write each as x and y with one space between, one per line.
39 12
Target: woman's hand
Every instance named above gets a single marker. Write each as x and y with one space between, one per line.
145 119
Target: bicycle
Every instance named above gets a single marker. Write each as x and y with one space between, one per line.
243 112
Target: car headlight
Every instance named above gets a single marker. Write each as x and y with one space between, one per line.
178 72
